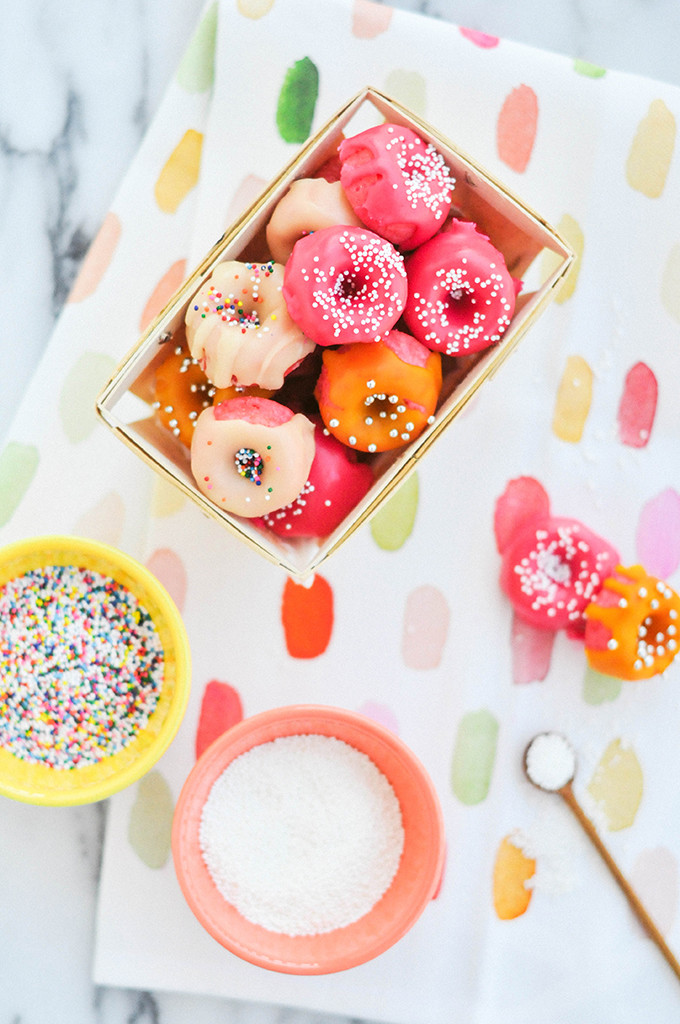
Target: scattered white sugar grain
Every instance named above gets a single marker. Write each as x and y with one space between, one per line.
550 761
302 834
555 843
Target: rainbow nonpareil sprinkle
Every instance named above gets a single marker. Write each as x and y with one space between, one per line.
81 666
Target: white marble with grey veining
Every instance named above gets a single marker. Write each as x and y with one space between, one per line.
79 81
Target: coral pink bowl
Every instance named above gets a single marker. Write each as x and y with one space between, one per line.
414 885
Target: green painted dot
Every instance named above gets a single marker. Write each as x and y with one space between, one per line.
18 463
598 688
79 391
392 525
474 755
150 825
297 100
584 67
196 71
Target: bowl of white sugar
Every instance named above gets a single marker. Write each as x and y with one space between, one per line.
308 839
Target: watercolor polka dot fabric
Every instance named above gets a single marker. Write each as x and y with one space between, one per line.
407 622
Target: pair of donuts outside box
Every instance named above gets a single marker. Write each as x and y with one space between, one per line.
125 403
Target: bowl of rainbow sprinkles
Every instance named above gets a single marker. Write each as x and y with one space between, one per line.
308 839
95 668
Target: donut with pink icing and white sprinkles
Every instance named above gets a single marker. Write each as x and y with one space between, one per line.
344 284
398 184
461 296
553 569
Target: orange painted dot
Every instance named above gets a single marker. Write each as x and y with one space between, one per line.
164 290
512 870
307 617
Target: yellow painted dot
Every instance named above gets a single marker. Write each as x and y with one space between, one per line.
180 172
571 232
616 785
670 284
574 396
651 151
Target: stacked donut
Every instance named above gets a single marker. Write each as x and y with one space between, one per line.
302 368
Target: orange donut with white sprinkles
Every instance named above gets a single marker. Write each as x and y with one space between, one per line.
378 397
632 625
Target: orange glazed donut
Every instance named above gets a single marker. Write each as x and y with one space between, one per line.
251 456
632 625
379 396
239 329
181 393
308 205
344 284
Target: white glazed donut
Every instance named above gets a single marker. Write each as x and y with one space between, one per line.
251 456
239 330
308 205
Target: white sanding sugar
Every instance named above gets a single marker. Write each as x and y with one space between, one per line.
302 834
550 761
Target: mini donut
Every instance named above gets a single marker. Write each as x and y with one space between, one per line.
238 327
461 296
553 569
632 625
181 392
344 284
337 482
380 396
250 456
308 205
398 185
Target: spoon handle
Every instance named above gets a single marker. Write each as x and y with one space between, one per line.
567 794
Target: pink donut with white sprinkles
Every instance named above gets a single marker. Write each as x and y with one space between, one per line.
461 296
344 284
553 568
398 184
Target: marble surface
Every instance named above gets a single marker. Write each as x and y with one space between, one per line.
79 83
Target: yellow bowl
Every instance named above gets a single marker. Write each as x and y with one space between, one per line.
35 783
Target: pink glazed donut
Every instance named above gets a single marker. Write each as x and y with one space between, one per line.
251 456
398 185
344 284
461 296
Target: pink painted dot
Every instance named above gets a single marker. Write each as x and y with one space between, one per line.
425 628
163 291
523 498
169 569
98 258
480 39
658 534
654 877
221 708
247 192
516 127
370 19
380 713
531 651
637 407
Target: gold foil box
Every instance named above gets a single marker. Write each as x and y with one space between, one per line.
519 233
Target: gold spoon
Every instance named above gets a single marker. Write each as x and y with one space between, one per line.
550 764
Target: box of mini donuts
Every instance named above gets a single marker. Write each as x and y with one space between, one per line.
335 330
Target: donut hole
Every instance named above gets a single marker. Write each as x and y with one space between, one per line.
656 638
348 285
249 465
